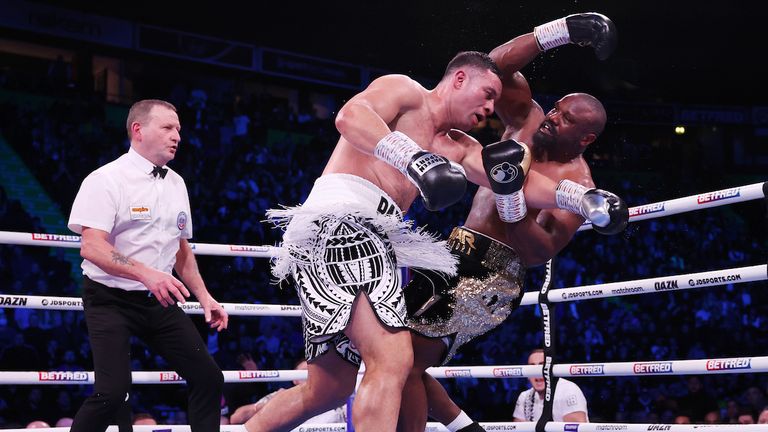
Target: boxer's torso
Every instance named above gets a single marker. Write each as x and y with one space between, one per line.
483 216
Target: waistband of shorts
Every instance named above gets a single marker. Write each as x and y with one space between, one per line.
353 191
479 247
119 292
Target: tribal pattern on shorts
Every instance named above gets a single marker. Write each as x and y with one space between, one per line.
341 344
349 257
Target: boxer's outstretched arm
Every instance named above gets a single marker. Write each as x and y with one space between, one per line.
539 189
585 29
515 54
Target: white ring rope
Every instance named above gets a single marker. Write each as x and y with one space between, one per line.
488 426
646 211
694 202
614 289
640 368
73 241
651 285
76 304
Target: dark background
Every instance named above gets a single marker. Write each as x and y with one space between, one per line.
672 51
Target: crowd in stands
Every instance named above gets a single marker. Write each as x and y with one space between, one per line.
247 154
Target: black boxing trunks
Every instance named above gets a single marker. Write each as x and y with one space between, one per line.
349 238
486 290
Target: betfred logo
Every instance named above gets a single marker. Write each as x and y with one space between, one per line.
652 368
718 195
729 364
170 377
56 237
646 209
458 373
508 372
252 374
63 376
587 369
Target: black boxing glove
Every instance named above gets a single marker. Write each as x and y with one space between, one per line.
607 212
584 29
506 164
439 181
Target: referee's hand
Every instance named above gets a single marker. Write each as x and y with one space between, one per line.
166 288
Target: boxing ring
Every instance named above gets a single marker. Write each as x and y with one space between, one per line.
545 299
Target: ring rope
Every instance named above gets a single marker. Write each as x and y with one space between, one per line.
652 285
14 301
73 241
613 289
640 368
647 211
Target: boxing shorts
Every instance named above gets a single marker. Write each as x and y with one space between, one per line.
457 309
346 239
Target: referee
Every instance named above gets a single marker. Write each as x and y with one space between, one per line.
134 217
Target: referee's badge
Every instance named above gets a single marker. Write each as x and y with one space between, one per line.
181 220
140 212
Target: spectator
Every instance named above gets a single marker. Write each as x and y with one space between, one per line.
20 356
64 422
697 402
569 403
143 419
746 416
763 417
712 417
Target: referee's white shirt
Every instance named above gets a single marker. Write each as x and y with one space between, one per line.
568 399
146 216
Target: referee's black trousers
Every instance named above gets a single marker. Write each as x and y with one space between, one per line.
112 316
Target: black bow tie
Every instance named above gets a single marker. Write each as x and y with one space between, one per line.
159 171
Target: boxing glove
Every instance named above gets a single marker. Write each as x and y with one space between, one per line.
506 164
584 29
440 182
608 213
